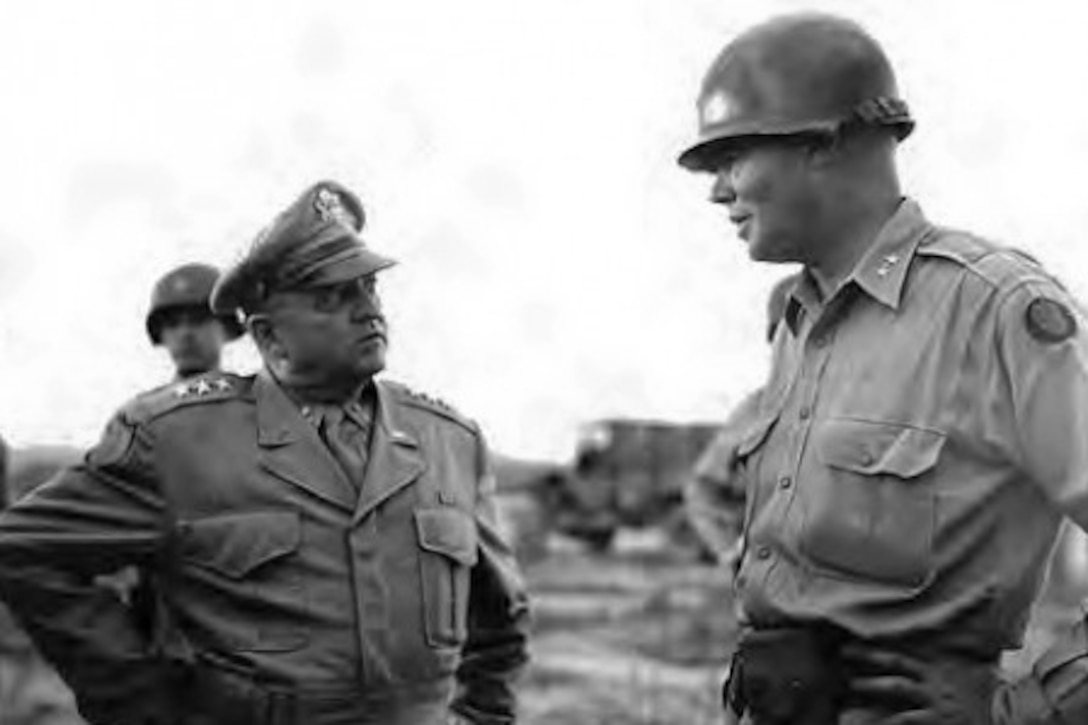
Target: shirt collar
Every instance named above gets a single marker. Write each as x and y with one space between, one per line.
881 272
359 408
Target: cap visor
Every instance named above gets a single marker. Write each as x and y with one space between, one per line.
359 263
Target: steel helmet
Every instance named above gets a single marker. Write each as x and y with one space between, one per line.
804 73
189 285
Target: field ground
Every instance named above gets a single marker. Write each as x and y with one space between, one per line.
642 635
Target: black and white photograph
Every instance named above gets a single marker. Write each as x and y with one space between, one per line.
541 362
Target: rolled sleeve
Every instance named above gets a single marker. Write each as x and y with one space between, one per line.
91 519
714 495
496 652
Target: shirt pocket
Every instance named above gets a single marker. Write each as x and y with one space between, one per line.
448 543
869 504
249 558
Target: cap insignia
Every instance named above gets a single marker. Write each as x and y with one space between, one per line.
715 109
330 207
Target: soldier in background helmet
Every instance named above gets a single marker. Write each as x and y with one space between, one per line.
181 320
921 435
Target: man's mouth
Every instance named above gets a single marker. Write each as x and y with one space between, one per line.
371 337
740 221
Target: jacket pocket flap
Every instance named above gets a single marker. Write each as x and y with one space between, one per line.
236 544
872 448
448 531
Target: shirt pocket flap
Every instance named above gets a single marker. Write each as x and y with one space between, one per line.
753 437
448 531
235 545
872 448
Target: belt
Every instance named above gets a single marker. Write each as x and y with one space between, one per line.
228 693
795 676
787 676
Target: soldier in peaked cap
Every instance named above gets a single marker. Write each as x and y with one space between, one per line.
325 539
921 435
181 320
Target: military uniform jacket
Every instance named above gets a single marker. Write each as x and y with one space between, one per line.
271 563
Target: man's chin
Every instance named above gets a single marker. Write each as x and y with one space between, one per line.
370 365
766 253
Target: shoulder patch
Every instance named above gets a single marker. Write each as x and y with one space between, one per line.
1049 321
428 402
203 389
114 444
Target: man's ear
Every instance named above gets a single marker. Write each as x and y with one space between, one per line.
262 331
824 150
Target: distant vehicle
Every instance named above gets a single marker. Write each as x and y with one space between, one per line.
624 472
31 466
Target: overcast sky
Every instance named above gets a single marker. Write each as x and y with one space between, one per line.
517 156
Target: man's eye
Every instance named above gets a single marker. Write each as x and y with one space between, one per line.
328 299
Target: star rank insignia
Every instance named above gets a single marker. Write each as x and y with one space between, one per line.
886 264
201 387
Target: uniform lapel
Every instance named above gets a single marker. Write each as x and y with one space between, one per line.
290 449
395 459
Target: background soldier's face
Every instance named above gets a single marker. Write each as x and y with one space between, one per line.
193 337
767 187
331 336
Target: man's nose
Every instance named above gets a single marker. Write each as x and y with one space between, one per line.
367 305
723 191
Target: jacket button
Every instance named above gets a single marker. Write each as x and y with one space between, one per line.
764 552
805 413
785 482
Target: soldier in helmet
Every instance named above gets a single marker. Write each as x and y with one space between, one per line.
182 322
921 435
325 540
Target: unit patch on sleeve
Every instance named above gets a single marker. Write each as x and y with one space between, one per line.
1049 321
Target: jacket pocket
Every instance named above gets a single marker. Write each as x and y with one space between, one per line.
448 543
248 558
871 511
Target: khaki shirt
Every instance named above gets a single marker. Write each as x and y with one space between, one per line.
920 437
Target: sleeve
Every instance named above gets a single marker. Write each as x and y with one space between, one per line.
1042 346
714 494
496 651
1042 353
91 519
1055 692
